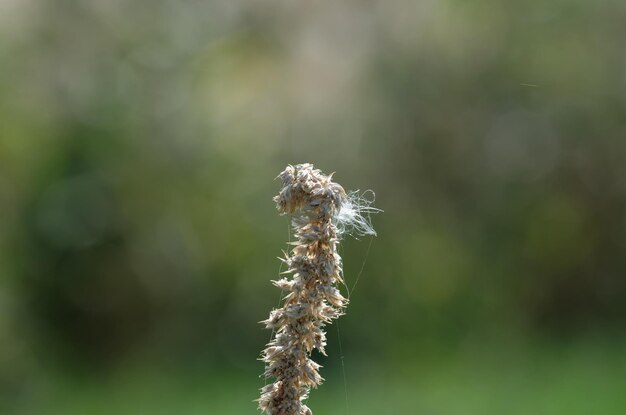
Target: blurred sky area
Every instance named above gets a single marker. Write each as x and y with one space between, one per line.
139 141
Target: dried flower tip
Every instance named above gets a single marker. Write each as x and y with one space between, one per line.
313 300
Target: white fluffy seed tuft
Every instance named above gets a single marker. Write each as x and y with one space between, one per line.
354 217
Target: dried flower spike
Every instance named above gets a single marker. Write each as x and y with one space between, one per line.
313 300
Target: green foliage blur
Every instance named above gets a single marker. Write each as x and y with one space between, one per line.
138 146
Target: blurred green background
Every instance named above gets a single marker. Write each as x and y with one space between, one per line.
138 146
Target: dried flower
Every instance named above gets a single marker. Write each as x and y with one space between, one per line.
313 300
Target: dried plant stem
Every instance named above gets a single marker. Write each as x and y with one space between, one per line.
313 299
